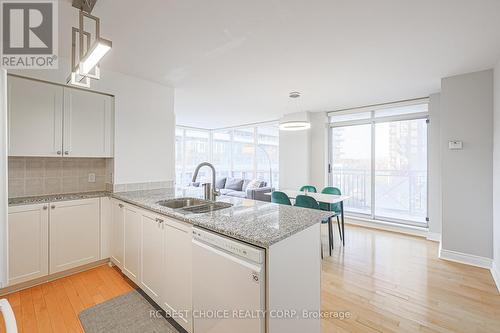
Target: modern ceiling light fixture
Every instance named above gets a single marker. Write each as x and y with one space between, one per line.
91 49
297 121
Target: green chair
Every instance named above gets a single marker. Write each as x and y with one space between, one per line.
309 202
280 198
308 188
335 208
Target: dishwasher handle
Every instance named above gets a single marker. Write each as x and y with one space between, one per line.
8 316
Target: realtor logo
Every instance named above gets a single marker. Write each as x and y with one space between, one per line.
29 34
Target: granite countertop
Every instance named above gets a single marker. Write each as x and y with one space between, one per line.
255 222
55 198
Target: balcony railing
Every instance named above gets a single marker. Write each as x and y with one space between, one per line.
398 194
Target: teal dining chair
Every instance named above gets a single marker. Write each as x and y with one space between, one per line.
280 198
334 208
306 201
308 188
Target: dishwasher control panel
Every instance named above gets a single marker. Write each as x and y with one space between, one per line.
246 251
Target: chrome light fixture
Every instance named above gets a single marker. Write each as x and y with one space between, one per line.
295 124
85 61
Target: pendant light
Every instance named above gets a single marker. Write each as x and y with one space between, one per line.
296 123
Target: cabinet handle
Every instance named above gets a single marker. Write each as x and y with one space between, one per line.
53 207
45 207
59 152
66 152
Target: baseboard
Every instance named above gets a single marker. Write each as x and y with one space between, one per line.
434 236
387 226
464 258
495 272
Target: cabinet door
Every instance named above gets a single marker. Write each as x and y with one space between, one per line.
177 273
152 245
28 242
117 220
132 239
88 124
106 226
74 234
35 118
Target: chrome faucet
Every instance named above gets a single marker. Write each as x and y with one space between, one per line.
210 191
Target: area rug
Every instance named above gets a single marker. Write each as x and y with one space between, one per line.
130 312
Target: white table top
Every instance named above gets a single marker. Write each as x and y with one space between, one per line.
320 197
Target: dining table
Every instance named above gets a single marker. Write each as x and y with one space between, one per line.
322 197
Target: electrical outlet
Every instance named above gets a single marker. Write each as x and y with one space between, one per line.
91 178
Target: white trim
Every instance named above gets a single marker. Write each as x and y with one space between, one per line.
387 226
434 236
495 272
375 107
464 258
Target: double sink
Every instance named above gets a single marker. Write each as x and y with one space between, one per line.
193 205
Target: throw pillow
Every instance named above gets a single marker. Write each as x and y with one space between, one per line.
254 184
234 184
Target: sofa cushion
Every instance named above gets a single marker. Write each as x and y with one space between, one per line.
263 184
239 194
220 183
245 184
253 184
234 184
224 191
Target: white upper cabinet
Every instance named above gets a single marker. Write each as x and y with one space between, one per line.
35 113
50 120
88 119
74 234
28 242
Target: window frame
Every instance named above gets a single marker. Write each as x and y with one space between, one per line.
373 120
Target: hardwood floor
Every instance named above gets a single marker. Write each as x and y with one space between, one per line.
386 282
390 282
54 306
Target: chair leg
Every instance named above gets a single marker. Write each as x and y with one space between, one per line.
330 231
340 231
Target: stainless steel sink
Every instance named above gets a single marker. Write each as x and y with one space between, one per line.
193 205
206 208
182 203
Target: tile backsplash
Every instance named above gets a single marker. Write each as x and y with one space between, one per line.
32 176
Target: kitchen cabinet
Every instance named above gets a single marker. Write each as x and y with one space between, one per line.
35 112
87 124
152 254
74 234
28 242
50 120
117 221
106 225
177 266
132 239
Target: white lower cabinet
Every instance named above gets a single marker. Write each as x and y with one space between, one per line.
28 242
152 245
177 289
117 221
132 242
74 234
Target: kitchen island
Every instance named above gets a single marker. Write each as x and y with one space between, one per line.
288 238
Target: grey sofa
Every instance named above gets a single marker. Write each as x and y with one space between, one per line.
235 187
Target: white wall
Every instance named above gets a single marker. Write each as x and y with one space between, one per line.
434 165
496 177
3 178
294 156
318 175
467 115
144 123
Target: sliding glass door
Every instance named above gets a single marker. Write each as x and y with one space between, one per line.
379 158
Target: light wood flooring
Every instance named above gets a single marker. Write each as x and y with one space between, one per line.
384 282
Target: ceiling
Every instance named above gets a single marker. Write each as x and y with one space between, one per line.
234 62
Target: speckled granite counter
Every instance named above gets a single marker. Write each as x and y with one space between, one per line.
55 197
255 222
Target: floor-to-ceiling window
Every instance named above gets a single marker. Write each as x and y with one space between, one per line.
379 158
247 152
